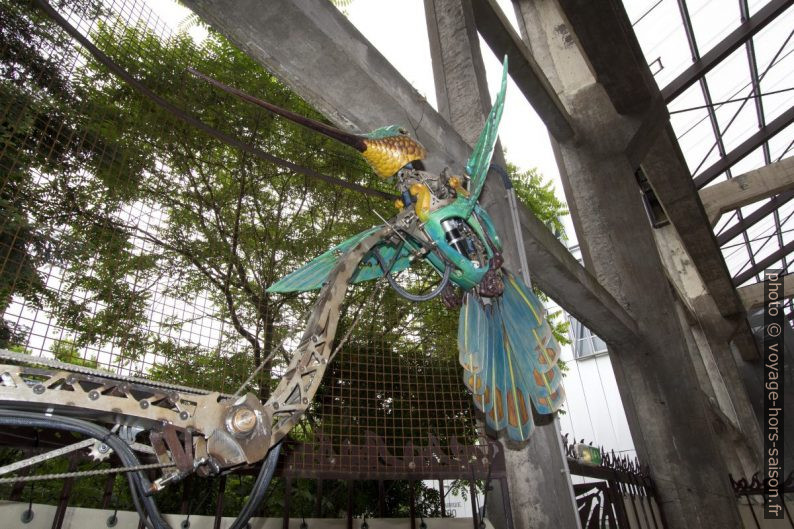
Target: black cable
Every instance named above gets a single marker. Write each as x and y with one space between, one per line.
260 487
139 483
501 171
400 290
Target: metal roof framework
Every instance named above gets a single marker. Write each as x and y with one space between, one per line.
723 68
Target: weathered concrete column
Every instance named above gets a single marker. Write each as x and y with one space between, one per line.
713 332
668 414
540 491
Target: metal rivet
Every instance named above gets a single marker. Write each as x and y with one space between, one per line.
305 400
275 405
38 389
184 415
93 394
144 404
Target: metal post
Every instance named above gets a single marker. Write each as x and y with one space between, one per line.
287 495
505 490
616 498
349 504
443 499
219 503
19 486
474 514
412 506
318 504
381 499
63 500
107 494
184 503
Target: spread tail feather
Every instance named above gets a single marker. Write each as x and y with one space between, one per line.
509 356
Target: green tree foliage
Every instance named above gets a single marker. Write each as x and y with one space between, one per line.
67 351
537 194
35 96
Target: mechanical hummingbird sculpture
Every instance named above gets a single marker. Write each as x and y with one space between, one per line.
506 346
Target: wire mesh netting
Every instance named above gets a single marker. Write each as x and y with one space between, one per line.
136 243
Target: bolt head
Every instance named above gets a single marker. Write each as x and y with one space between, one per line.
243 420
144 404
184 415
93 394
38 389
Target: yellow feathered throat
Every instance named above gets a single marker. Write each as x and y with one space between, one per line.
389 155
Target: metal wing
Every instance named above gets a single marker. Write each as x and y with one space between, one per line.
314 274
480 160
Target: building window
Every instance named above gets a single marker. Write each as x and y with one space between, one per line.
583 341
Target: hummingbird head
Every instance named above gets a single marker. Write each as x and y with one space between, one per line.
389 149
386 132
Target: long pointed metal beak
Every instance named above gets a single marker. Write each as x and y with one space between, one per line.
355 141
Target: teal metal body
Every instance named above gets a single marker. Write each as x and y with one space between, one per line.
466 275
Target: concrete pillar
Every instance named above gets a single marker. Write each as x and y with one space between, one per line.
713 334
668 414
541 495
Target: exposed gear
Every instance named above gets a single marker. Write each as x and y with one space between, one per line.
99 451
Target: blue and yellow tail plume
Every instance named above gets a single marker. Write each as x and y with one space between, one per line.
509 357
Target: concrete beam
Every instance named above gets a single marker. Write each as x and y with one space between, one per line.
318 53
747 188
669 176
753 295
596 307
604 30
497 31
609 44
